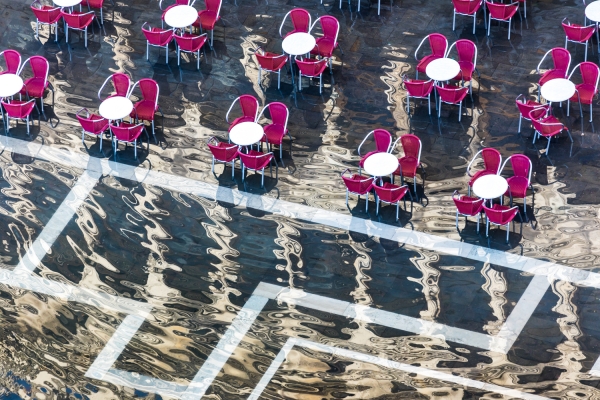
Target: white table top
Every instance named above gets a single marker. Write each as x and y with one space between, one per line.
10 84
442 69
246 133
298 43
381 164
490 186
592 11
557 90
181 16
66 3
115 108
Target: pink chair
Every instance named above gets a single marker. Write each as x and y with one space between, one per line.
91 124
157 37
301 21
561 59
467 59
392 194
451 94
418 89
249 106
438 45
270 62
521 179
547 126
326 44
588 88
277 129
408 164
499 215
79 22
255 161
311 68
468 8
36 85
501 12
359 185
578 34
382 138
121 83
189 43
126 133
467 207
147 106
96 5
12 59
491 165
223 152
19 110
208 18
46 15
525 106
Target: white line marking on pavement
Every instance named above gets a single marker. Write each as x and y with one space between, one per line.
43 243
366 358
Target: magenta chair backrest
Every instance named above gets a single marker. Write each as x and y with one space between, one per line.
390 194
39 67
213 5
94 124
249 105
491 159
411 145
127 132
300 19
438 44
256 161
121 83
561 59
19 109
330 27
578 33
45 14
311 66
149 89
468 205
589 73
452 94
12 58
158 37
190 43
358 183
501 217
223 153
279 113
501 11
95 3
383 139
78 21
547 128
466 6
526 107
418 88
271 61
521 165
466 50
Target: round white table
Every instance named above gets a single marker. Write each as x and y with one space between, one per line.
116 107
67 3
298 43
10 84
489 187
381 164
181 16
558 90
442 69
246 133
592 11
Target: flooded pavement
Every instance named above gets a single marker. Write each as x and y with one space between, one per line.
169 281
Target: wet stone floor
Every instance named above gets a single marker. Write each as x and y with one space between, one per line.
157 279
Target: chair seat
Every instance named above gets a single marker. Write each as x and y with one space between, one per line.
586 93
274 133
551 74
466 69
425 62
409 167
324 47
249 159
388 194
517 187
478 175
227 156
34 87
144 109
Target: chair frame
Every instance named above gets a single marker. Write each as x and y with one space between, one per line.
109 79
214 139
156 108
320 76
27 119
84 30
148 44
237 99
458 213
262 180
46 81
419 164
528 180
426 38
99 135
408 96
578 98
378 200
260 68
288 13
372 179
567 40
502 20
179 50
285 130
537 133
55 24
115 140
474 15
487 221
453 45
471 163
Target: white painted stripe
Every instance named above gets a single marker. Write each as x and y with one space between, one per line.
144 383
307 213
228 343
367 358
43 243
514 324
114 347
